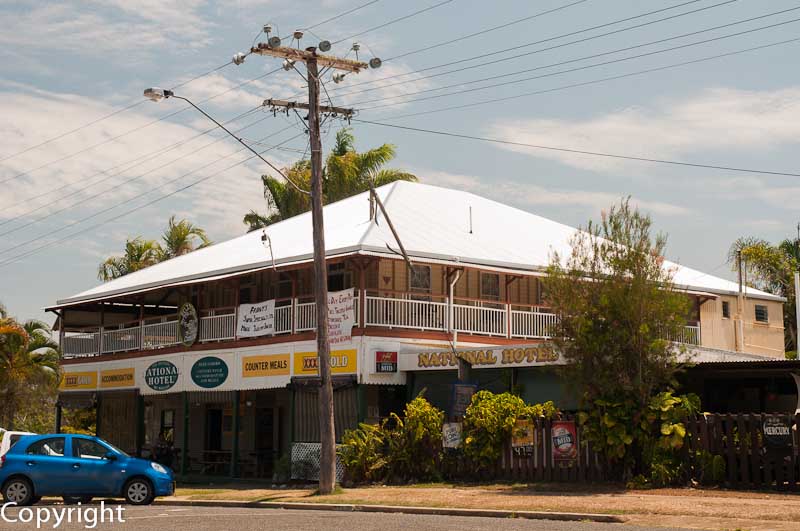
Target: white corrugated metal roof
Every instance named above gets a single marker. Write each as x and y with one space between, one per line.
433 223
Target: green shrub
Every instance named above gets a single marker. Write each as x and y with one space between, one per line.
414 442
489 420
363 453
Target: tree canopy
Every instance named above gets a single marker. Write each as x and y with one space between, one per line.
346 173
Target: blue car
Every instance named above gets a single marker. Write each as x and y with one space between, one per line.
79 467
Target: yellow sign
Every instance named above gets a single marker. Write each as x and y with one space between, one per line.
74 381
117 378
342 362
269 365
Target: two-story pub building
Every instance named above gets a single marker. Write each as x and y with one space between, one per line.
214 352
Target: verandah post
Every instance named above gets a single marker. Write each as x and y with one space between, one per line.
235 427
185 435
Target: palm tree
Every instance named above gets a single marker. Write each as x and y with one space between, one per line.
28 360
771 268
346 173
139 253
181 238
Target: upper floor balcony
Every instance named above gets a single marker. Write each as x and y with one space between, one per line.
400 311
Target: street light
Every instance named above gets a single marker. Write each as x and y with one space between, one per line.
157 94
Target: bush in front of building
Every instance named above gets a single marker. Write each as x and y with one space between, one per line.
642 443
488 423
407 448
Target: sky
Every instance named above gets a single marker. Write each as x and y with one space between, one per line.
86 162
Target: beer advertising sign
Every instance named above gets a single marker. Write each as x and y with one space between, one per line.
342 362
79 381
564 436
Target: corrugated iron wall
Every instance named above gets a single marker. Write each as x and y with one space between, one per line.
118 420
306 413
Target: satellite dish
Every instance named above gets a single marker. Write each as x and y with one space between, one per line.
274 42
375 62
324 46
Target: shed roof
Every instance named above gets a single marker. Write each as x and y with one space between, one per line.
434 223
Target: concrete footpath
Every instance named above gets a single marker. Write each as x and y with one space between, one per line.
430 511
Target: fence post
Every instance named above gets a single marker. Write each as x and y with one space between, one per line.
744 444
730 450
755 450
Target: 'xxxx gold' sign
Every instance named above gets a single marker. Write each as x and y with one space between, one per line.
512 356
342 362
76 381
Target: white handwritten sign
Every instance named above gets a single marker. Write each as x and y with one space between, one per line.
256 319
341 316
451 435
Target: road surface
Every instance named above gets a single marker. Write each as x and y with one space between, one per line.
169 518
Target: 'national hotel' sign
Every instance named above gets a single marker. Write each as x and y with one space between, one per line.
482 358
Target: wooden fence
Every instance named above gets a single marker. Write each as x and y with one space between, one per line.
738 441
727 450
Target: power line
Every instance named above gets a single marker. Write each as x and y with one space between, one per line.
113 188
86 218
106 116
19 257
556 37
137 161
594 81
340 15
482 32
540 50
393 21
586 67
135 129
583 152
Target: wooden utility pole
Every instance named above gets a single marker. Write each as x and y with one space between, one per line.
327 471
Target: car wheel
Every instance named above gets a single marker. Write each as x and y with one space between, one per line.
19 491
139 491
74 500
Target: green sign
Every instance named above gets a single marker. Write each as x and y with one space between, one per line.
161 375
209 372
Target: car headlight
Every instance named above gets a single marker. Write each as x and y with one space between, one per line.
158 468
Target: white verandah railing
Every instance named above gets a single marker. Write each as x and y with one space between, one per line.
488 318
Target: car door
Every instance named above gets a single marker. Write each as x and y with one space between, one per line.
97 474
47 466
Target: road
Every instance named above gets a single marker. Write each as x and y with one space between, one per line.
169 518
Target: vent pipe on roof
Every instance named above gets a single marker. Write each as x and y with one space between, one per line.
470 219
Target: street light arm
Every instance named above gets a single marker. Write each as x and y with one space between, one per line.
242 142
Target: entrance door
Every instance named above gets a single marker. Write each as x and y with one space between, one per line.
214 430
265 450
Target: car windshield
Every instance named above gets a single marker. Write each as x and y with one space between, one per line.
114 448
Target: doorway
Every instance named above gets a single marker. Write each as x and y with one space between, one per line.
214 430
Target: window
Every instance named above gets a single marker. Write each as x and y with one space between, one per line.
726 310
762 315
420 278
88 449
339 277
167 431
52 447
490 286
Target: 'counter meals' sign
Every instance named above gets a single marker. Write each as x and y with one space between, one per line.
342 362
496 357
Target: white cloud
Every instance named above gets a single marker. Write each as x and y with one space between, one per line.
535 195
715 119
30 116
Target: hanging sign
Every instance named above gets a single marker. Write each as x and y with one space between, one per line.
777 431
523 437
565 440
341 316
385 362
451 435
188 324
209 372
161 376
462 397
256 319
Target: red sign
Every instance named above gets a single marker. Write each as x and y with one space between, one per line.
565 440
385 361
